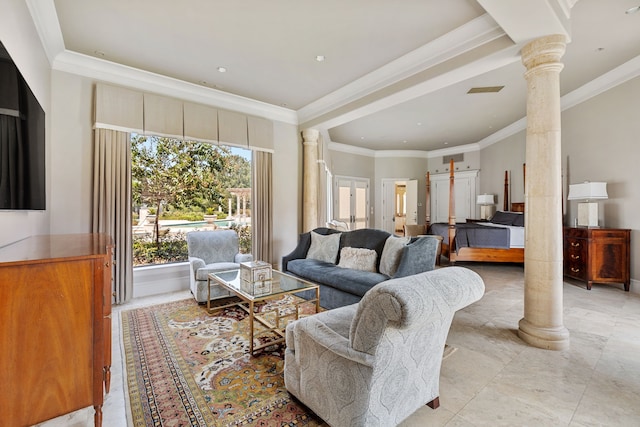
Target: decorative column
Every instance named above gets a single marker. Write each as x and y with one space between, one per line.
542 325
310 179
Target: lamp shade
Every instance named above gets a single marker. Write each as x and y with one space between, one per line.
588 191
485 199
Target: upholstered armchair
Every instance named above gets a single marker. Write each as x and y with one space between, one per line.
210 252
376 362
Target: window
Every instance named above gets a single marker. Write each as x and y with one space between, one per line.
181 186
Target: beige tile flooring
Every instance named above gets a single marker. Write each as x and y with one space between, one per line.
495 379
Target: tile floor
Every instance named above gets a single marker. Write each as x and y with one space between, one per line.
495 379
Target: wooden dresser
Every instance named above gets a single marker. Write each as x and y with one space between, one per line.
600 255
55 326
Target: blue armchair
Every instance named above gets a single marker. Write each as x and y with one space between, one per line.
210 252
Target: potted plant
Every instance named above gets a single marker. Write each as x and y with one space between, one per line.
210 216
151 216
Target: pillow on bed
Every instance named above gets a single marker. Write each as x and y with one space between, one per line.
358 259
503 218
518 220
324 248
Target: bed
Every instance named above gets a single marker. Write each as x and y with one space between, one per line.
501 239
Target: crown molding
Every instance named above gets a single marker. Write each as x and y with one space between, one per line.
45 18
619 75
468 148
475 33
401 153
100 69
350 149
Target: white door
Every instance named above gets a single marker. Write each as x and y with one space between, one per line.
351 201
465 188
411 206
388 204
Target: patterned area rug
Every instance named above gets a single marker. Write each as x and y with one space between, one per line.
185 367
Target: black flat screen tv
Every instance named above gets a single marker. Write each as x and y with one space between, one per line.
22 141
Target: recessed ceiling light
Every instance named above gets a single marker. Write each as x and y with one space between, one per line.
631 10
599 49
222 69
320 58
419 124
446 143
362 137
404 142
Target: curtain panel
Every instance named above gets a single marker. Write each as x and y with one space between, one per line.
112 203
262 209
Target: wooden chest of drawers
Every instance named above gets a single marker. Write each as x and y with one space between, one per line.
55 327
599 255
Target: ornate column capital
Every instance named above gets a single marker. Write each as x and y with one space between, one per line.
310 136
544 52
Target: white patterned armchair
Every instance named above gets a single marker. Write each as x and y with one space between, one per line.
210 252
376 362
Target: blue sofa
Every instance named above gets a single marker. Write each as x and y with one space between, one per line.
341 286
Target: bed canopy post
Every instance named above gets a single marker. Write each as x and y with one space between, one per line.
427 219
505 204
452 213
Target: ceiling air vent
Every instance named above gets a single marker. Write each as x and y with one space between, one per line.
455 157
485 89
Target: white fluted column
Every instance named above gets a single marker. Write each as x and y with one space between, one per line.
542 325
310 179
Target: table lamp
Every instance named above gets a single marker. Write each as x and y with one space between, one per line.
486 205
587 210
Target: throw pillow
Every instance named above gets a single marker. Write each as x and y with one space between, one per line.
324 248
358 259
391 254
519 221
503 218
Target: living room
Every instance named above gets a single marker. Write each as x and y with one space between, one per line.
599 143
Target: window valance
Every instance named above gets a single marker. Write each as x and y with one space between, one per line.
128 110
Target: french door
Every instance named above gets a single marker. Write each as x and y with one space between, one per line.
351 201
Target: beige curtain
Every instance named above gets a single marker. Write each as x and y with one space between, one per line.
262 210
112 203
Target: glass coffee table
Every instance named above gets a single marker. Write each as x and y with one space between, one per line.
250 293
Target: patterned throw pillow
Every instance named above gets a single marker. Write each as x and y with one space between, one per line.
391 254
358 259
324 248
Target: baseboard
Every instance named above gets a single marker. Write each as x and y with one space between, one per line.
160 279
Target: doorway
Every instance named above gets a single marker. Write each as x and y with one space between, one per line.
399 204
351 201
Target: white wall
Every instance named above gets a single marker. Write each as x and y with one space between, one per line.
21 40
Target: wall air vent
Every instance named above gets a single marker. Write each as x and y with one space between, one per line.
485 89
457 158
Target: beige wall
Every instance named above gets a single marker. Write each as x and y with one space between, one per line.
507 155
72 155
600 142
400 168
72 159
287 189
357 166
21 40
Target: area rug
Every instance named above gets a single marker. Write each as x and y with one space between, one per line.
185 367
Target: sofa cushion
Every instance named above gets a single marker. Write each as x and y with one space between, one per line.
202 273
324 248
352 281
358 258
391 254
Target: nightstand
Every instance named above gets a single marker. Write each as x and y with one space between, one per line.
597 255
